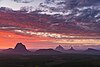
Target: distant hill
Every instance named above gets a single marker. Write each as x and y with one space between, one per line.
91 50
59 48
71 49
21 49
47 52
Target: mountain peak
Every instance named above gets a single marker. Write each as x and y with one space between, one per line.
72 49
60 48
20 47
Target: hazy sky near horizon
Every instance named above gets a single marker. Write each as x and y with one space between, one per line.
9 39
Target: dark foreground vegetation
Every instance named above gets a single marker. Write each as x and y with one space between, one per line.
64 60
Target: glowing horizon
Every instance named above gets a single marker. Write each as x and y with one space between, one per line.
36 40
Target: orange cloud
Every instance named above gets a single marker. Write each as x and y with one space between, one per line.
9 39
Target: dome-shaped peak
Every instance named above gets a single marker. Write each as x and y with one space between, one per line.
60 48
20 47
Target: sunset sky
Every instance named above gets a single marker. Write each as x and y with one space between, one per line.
42 31
44 40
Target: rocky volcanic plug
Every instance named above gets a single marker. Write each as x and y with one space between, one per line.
19 49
